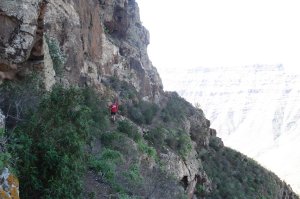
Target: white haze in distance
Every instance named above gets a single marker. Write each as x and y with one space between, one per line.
206 33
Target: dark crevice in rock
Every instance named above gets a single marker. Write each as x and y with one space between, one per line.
37 52
184 182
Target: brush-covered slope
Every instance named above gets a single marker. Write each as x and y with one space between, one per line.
62 63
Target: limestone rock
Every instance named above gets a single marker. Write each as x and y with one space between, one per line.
20 19
180 168
9 185
21 37
199 129
112 44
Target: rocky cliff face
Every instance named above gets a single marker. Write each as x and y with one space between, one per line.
103 38
89 43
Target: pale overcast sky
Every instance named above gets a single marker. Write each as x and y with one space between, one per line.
206 33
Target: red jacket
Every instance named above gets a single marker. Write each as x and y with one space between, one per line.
114 107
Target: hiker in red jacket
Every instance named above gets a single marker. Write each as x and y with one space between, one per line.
113 110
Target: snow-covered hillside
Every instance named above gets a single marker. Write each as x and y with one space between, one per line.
255 109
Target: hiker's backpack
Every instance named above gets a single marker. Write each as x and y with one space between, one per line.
114 108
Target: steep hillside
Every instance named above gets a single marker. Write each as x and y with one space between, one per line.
61 64
246 103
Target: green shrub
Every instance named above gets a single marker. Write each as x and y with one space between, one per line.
50 146
150 151
99 110
108 138
125 90
18 97
175 109
106 163
148 111
142 112
236 176
57 56
180 142
130 130
133 174
184 145
5 158
157 137
136 115
120 142
200 189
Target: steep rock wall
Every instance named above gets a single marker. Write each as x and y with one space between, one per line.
103 39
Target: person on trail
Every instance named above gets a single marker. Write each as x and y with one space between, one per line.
113 110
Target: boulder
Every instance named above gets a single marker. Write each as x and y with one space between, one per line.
9 185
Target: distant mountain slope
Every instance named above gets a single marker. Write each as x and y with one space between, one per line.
254 109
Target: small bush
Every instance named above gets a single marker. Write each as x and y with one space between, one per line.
99 113
130 130
108 138
133 174
148 110
120 142
57 56
175 109
150 151
184 145
142 112
180 142
157 137
4 160
136 115
177 140
106 163
126 90
19 97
